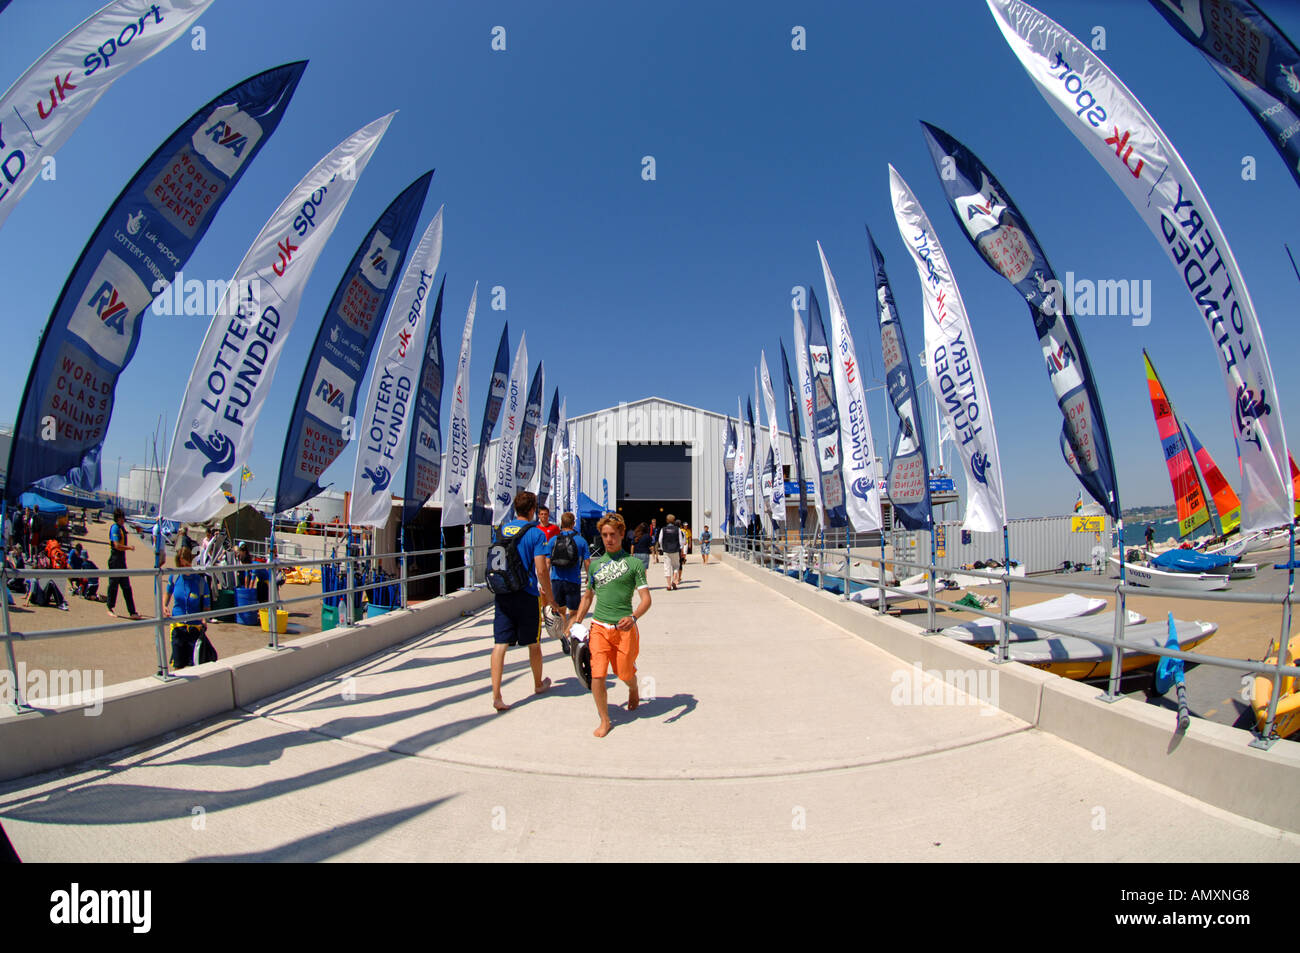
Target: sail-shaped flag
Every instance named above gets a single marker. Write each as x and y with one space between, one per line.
998 231
232 376
1226 503
909 471
503 486
729 477
776 492
458 445
1188 497
546 469
955 373
753 479
794 415
497 386
1122 136
826 419
142 242
45 105
1256 59
326 405
424 462
806 410
526 468
742 475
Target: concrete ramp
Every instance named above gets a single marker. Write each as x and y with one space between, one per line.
767 733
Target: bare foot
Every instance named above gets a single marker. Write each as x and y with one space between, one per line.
633 699
499 705
110 612
538 689
602 730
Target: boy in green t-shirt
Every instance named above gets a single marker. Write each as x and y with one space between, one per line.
612 578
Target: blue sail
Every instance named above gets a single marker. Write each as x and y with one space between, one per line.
796 434
345 342
482 513
909 470
999 232
424 459
826 418
138 250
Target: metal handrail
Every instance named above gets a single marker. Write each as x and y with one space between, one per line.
757 549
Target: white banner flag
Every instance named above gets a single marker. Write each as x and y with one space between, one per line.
457 469
1123 137
46 104
575 480
743 473
777 494
559 475
955 374
762 499
512 419
382 426
858 450
806 409
233 373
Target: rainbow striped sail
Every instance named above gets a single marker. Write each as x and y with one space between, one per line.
1226 502
1295 484
1192 510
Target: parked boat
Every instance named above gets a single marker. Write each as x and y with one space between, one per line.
1078 658
1286 721
984 632
1141 574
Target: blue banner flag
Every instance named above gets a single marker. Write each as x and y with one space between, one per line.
999 232
548 448
1256 59
796 436
729 470
908 484
753 489
826 418
482 513
137 251
424 460
327 395
526 455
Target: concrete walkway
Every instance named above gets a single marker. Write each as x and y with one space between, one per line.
771 734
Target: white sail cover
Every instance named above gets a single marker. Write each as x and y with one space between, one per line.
1121 135
512 419
777 494
42 109
742 473
857 448
395 375
458 436
235 366
953 364
806 409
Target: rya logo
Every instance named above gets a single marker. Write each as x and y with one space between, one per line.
981 211
227 138
219 449
979 464
331 395
821 359
379 477
110 307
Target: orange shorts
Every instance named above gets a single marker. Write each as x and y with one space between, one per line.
613 645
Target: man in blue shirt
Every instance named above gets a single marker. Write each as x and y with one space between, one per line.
518 614
566 581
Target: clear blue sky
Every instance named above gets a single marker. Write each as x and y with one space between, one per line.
629 288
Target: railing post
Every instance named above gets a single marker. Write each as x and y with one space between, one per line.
345 606
19 705
160 636
442 570
1266 737
273 614
403 577
1112 693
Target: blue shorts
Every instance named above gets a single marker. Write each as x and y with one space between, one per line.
567 594
517 619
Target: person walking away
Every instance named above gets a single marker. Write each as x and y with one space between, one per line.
706 540
118 547
643 543
670 545
615 640
654 540
517 619
569 558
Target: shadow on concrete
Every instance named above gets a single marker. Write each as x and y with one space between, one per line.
327 844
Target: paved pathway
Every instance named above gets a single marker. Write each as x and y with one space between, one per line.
772 734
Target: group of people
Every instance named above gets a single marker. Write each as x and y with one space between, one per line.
34 545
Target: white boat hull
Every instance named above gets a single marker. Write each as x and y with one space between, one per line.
1158 578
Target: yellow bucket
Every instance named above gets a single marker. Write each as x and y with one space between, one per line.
281 620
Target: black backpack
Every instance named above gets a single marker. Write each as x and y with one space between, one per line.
506 572
564 551
672 540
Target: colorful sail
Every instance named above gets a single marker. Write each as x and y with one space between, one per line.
999 232
385 424
59 90
956 374
1226 503
482 512
1124 138
1188 497
1295 484
458 445
424 462
142 242
826 419
1256 59
235 367
324 415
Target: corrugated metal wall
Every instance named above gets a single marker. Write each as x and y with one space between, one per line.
1040 544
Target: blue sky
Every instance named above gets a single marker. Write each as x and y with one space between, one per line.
629 288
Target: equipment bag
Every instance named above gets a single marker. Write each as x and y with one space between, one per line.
506 571
564 552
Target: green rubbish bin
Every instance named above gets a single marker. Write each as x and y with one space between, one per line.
225 600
